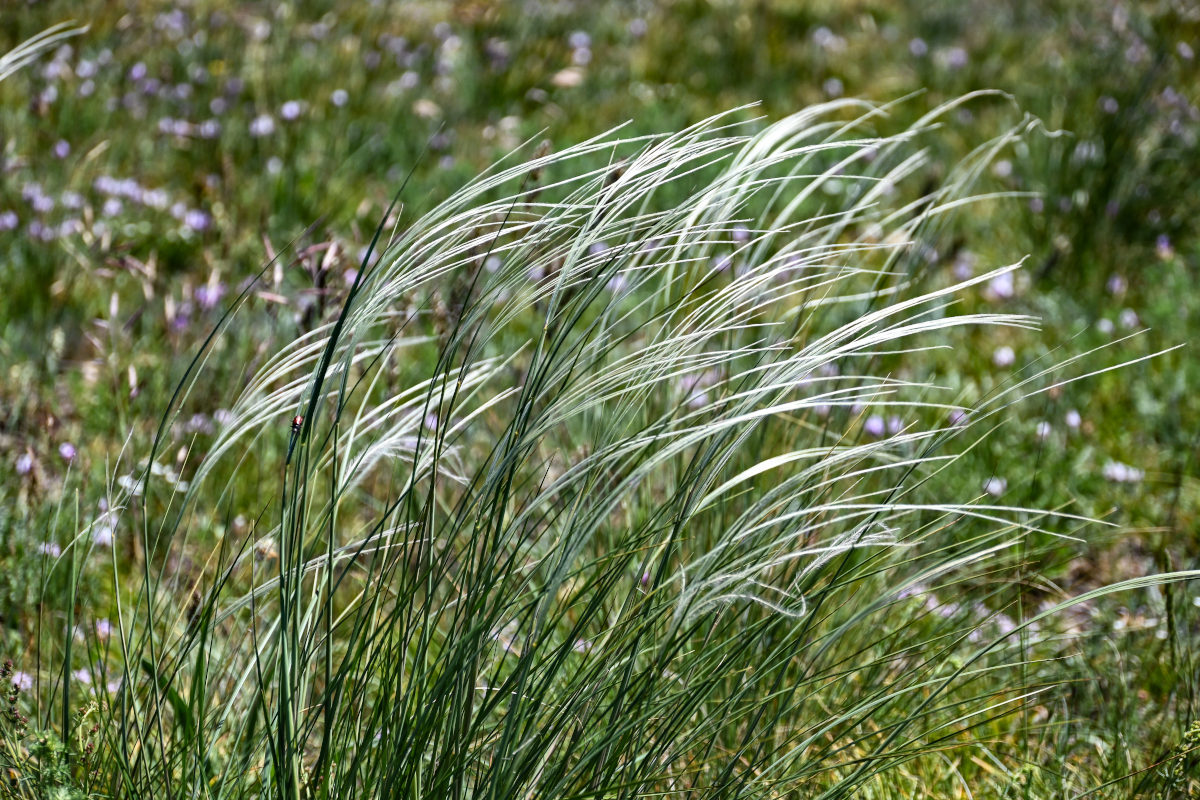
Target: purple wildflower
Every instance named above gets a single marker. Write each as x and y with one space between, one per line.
1004 356
62 148
50 549
1162 246
1122 473
1073 419
102 536
1002 286
24 463
995 486
291 110
874 426
208 296
262 125
197 220
67 451
339 98
8 220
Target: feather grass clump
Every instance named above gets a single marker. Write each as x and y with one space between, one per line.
578 504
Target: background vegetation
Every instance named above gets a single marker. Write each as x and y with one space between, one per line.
156 162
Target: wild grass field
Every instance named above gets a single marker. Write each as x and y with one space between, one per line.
599 399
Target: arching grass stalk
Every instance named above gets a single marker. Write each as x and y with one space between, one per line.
580 502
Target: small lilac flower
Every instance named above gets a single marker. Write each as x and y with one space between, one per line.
492 263
339 97
42 204
112 207
581 56
8 220
1043 430
198 423
50 549
596 248
67 451
833 87
102 536
964 265
995 486
1162 246
1004 356
62 148
262 125
197 220
291 110
155 198
1104 325
208 129
1128 318
431 421
137 72
956 58
207 296
582 645
1002 168
895 424
1117 285
103 628
1037 205
1073 419
579 39
638 27
917 47
22 681
1185 51
958 417
1002 286
82 675
350 276
1122 473
875 426
223 417
24 464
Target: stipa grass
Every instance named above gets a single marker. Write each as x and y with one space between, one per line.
580 502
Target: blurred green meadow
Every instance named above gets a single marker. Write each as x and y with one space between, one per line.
172 156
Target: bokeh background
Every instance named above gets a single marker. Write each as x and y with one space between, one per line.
153 164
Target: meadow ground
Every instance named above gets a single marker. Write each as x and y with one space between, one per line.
156 162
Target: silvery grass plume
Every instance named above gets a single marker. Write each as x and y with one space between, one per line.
28 50
577 502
